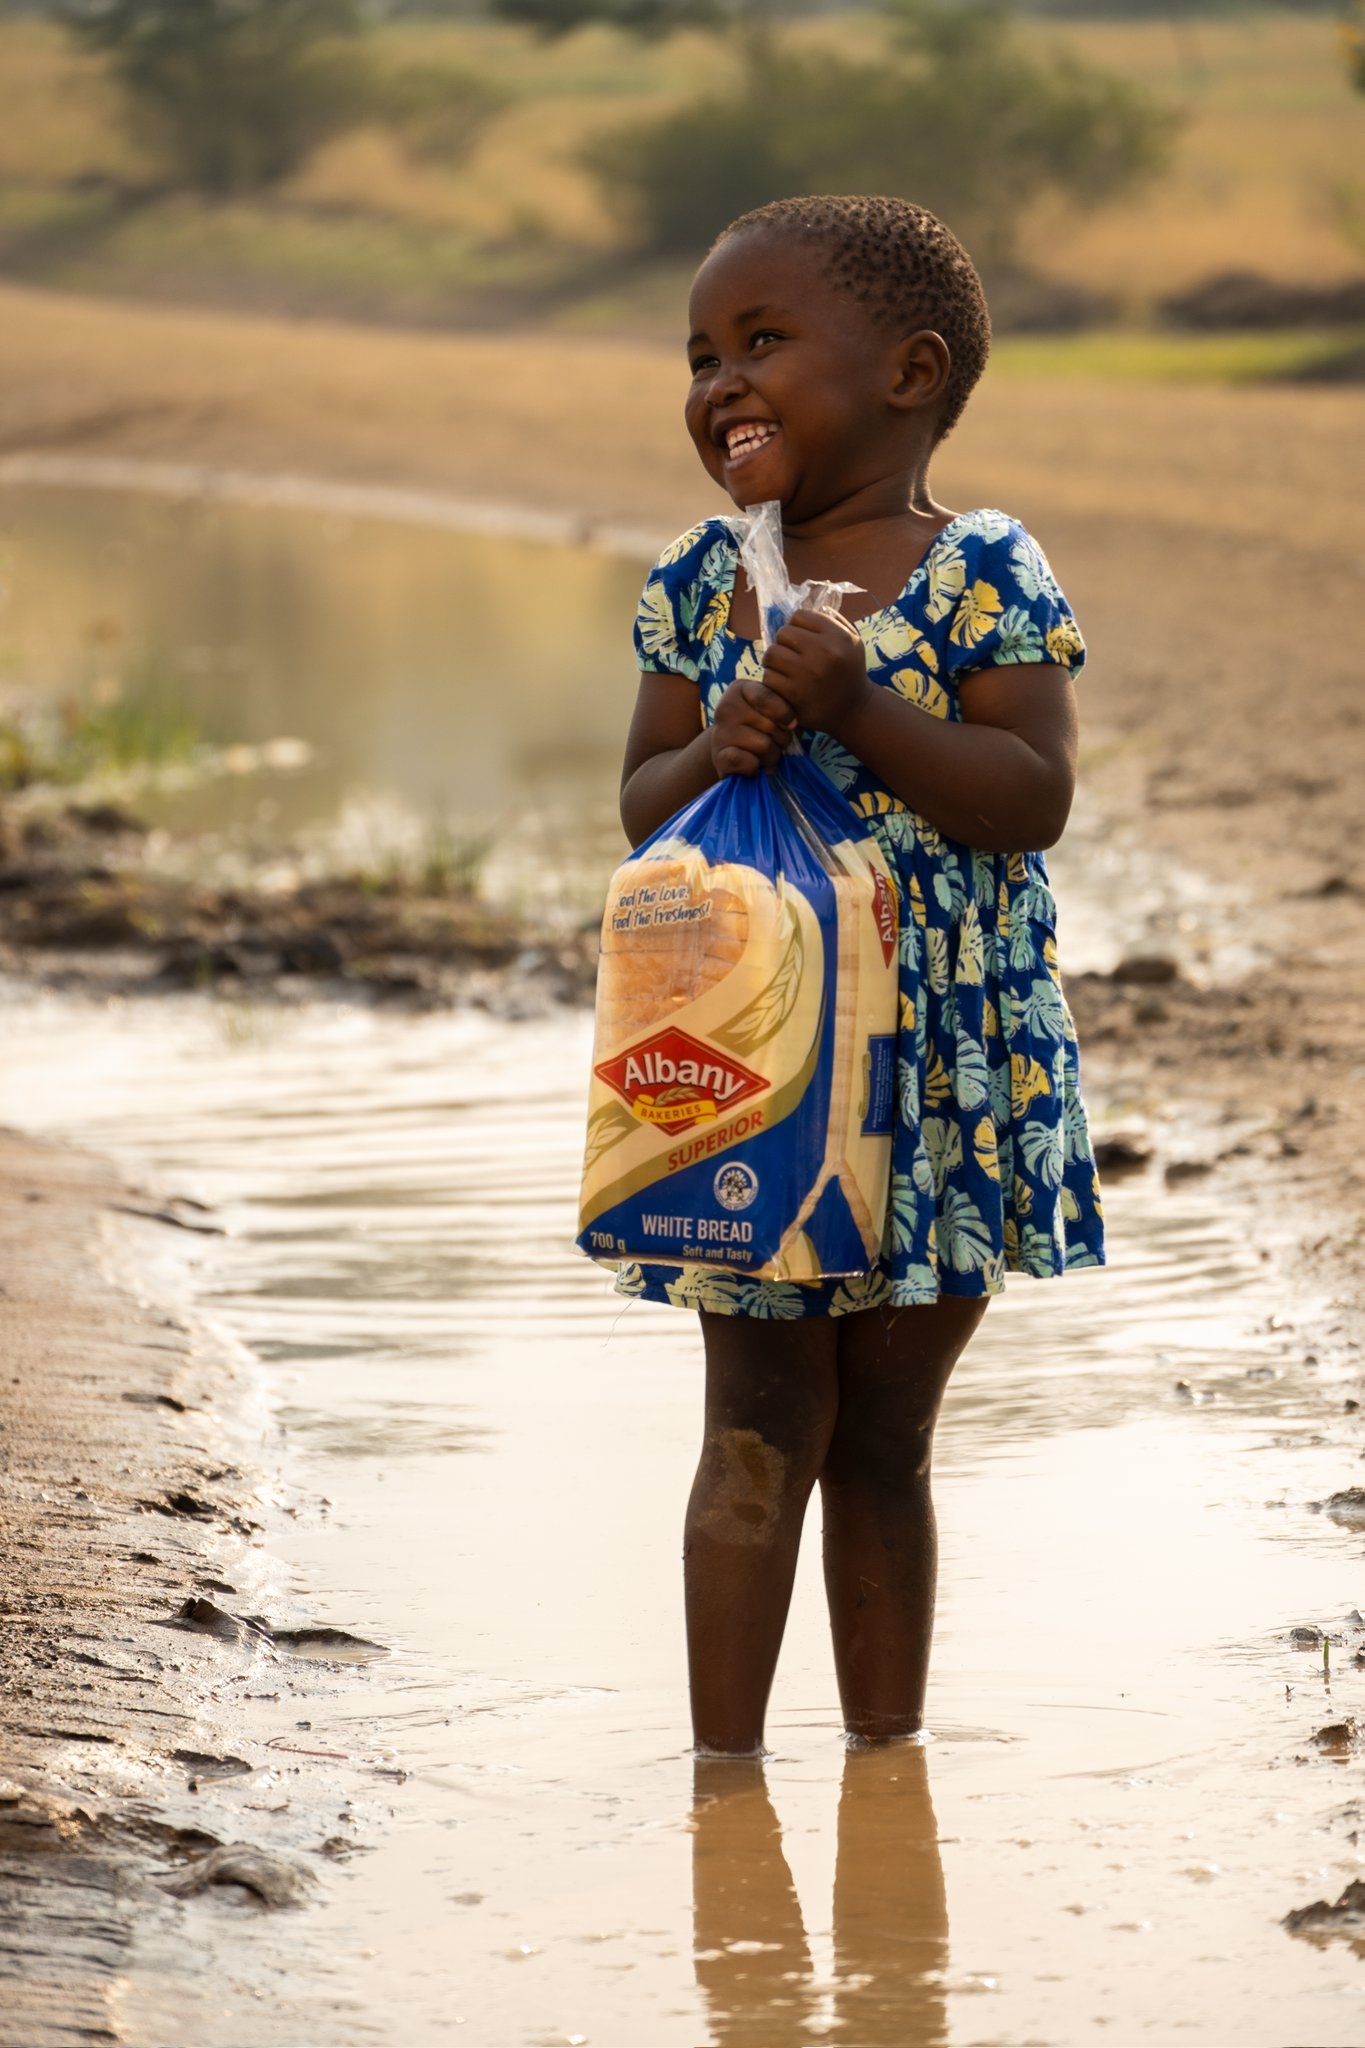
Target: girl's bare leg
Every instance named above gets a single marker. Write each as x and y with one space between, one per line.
771 1394
881 1540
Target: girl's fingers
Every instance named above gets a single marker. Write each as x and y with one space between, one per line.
767 703
744 749
735 761
819 623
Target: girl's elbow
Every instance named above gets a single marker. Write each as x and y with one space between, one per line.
1052 807
1052 822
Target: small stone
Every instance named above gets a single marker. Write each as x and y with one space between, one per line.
1338 1739
1147 970
1306 1637
1321 1920
1122 1152
1180 1170
1346 1507
275 1882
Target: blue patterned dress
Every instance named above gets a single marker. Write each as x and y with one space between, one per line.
992 1170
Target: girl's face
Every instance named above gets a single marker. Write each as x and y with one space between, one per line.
792 382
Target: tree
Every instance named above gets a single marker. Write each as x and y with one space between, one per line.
233 94
650 19
961 116
1352 31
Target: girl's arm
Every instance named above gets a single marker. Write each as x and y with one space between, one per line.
1002 780
670 758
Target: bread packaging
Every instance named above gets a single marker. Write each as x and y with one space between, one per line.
744 1061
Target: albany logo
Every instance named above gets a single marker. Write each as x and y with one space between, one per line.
675 1081
884 911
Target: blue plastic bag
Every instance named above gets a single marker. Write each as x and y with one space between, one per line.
743 1079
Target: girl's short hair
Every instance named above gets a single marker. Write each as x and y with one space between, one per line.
901 263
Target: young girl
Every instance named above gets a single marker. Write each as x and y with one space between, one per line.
834 343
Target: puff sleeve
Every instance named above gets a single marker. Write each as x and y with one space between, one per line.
1001 603
685 600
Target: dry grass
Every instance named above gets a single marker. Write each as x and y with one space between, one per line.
1273 134
1262 179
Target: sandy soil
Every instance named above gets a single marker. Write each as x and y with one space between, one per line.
130 1517
1205 536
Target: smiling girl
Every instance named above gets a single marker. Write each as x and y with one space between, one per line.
834 342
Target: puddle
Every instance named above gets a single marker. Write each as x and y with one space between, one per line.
472 684
1123 1795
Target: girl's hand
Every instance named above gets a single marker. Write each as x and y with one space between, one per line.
750 730
818 665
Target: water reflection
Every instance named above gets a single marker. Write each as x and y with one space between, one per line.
751 1953
475 681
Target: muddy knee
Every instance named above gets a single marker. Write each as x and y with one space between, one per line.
746 1487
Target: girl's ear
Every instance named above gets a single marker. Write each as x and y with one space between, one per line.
921 368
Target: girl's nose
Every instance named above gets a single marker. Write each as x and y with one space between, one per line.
726 384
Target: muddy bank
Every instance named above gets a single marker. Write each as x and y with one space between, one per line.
132 1452
83 905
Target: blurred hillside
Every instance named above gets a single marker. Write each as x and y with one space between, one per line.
495 219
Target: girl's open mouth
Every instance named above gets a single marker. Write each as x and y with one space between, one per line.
744 440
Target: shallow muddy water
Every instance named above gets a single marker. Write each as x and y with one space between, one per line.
1121 1797
440 680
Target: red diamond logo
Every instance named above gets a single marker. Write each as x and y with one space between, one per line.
676 1081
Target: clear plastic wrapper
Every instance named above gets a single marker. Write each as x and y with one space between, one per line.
760 549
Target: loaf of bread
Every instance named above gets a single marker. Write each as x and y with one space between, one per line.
739 1112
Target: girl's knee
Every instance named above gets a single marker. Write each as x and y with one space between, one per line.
747 1488
879 1455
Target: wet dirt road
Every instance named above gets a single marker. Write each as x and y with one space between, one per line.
487 1460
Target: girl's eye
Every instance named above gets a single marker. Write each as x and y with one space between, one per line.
701 363
764 334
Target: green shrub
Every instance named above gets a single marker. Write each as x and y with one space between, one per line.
436 110
646 18
231 94
960 118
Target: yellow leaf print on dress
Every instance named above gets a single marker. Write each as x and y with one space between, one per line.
984 1148
713 618
977 613
918 688
1064 642
1027 1081
937 1086
878 803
